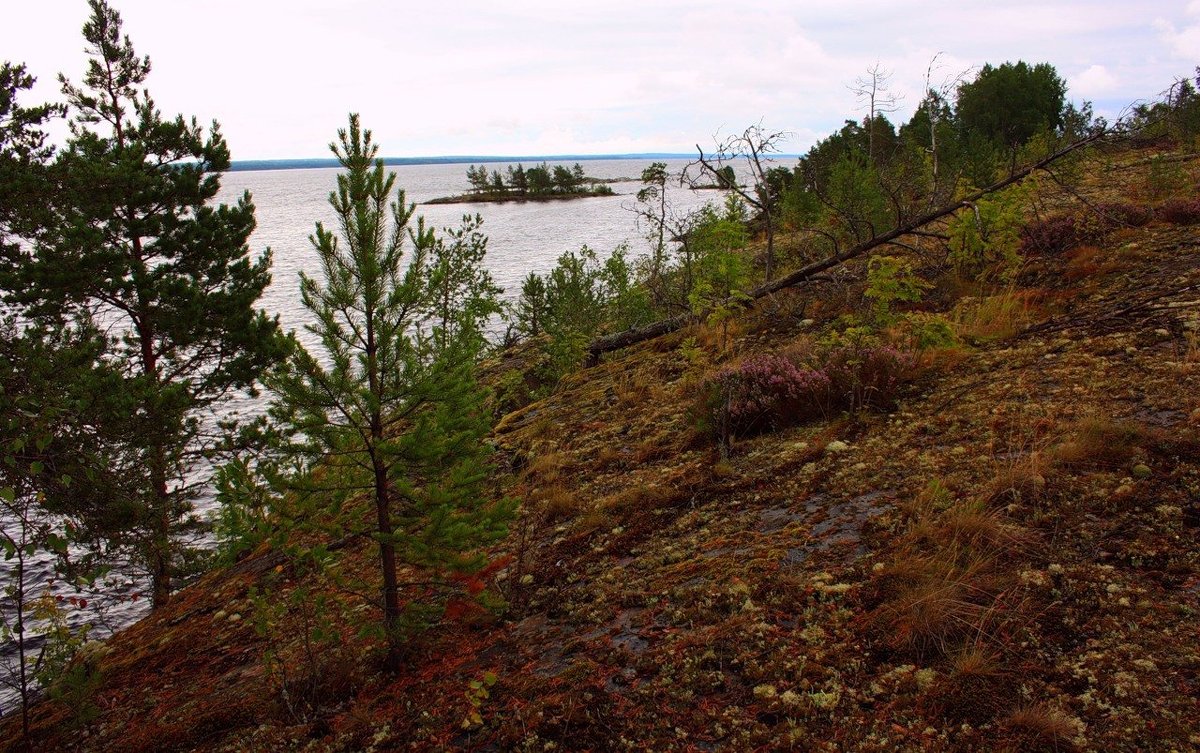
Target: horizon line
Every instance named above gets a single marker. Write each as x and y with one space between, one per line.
447 159
319 162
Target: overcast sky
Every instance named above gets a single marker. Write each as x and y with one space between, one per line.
527 77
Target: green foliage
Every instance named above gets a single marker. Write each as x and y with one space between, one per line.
985 240
169 274
1008 104
575 302
68 673
539 180
243 517
653 209
533 308
302 654
929 331
23 158
891 280
856 207
393 409
849 331
1166 178
463 294
580 298
476 693
1177 117
721 272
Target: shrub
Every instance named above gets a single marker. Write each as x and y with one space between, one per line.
1180 212
1052 235
1063 232
768 391
890 280
984 243
924 330
868 376
1117 214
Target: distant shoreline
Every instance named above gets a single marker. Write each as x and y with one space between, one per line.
302 164
494 198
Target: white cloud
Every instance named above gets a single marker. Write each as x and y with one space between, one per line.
1183 40
1094 82
585 76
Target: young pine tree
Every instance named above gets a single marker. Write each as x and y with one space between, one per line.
137 246
391 408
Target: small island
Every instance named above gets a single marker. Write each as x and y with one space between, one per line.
539 183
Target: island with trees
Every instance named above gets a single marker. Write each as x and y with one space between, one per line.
539 183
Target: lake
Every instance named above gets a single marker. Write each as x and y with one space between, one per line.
523 237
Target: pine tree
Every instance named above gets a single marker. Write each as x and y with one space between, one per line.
137 247
24 179
391 409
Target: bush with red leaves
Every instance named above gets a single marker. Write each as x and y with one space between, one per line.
770 391
1180 212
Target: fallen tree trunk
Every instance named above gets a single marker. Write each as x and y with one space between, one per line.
624 339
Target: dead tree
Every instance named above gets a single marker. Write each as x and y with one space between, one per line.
872 90
753 147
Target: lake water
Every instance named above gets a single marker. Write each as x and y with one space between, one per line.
524 237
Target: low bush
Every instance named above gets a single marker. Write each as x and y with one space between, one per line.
1053 235
1117 214
868 377
770 391
767 391
1063 232
1180 212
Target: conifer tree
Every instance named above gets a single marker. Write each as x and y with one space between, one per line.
24 177
136 246
391 409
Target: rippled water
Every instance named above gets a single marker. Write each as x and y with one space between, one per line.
523 237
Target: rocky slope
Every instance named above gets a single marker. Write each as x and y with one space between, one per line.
1005 560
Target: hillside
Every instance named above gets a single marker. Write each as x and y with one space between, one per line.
1006 559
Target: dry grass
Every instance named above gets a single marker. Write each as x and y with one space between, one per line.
996 317
951 583
934 602
610 457
640 498
635 388
1089 261
557 503
546 468
1042 728
973 528
1099 442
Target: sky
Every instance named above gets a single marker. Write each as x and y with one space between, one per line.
534 77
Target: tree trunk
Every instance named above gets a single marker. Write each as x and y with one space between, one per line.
387 559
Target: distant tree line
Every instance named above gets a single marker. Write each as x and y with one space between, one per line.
538 181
